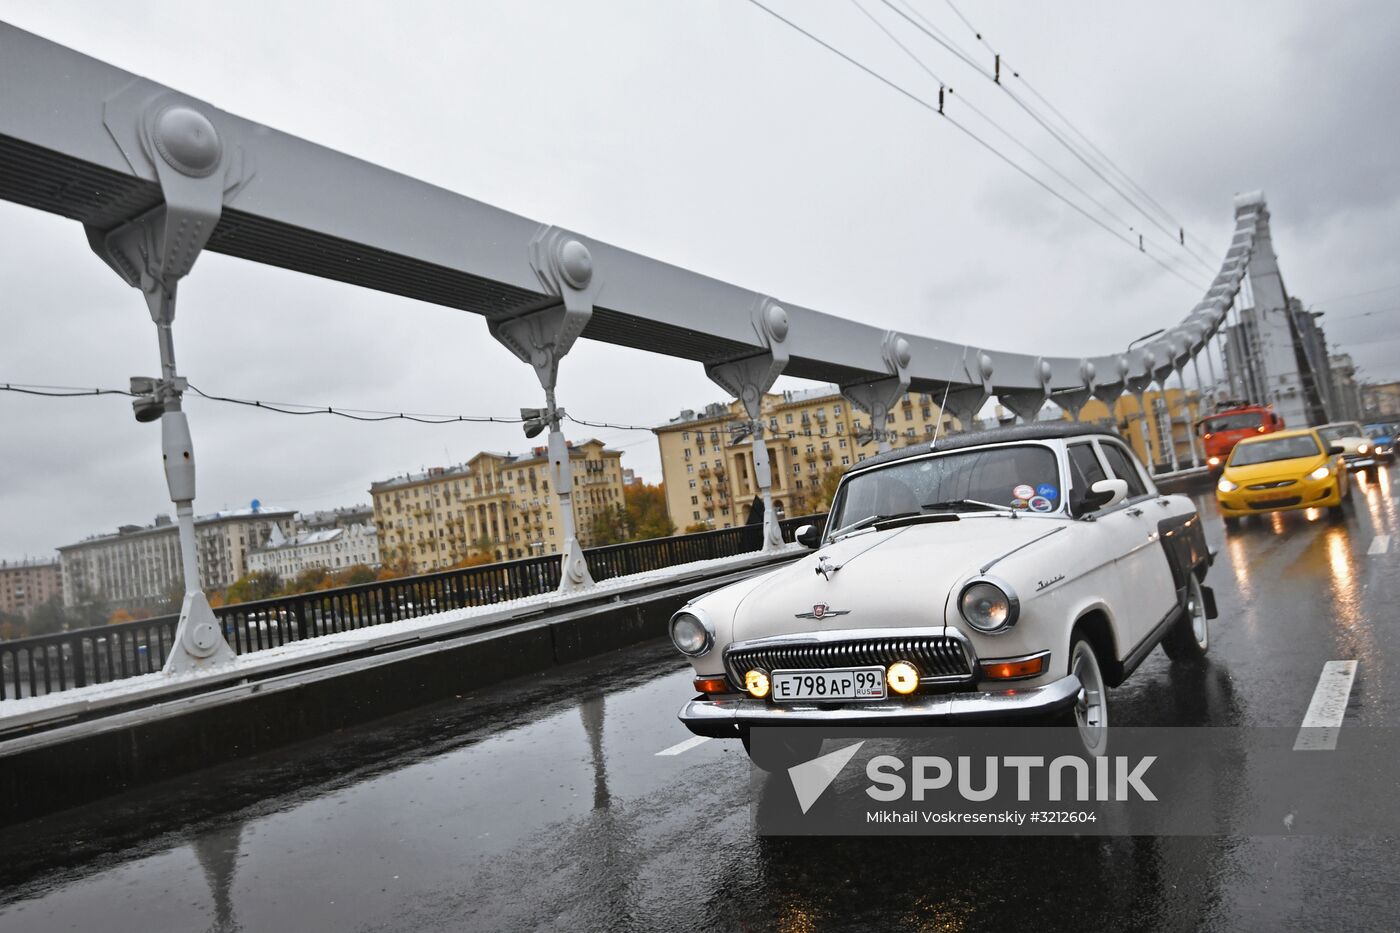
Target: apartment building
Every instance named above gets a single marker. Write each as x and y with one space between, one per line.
139 566
334 547
1171 415
26 584
709 475
496 504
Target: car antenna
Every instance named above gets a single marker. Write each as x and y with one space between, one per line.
933 444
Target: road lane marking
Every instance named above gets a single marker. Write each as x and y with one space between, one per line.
1379 545
1323 721
682 747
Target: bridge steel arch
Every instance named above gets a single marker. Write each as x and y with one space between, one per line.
63 150
155 176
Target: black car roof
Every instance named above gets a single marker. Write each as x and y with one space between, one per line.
1035 431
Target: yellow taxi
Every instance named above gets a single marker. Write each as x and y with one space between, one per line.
1285 470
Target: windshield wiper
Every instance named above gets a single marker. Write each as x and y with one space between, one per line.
966 503
867 522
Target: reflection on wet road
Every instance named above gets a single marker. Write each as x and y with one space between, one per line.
544 804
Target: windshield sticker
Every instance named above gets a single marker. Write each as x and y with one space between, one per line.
1023 491
1041 504
1048 491
1019 503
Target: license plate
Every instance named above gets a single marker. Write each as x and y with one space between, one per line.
850 683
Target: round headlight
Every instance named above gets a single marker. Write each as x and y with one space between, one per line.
690 633
988 607
1225 485
1362 449
1321 472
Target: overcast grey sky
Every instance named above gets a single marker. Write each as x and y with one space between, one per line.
707 134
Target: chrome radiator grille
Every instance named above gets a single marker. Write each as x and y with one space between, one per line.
936 656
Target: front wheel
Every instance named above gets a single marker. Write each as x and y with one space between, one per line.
1089 715
1189 638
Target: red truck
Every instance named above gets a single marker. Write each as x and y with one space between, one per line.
1229 425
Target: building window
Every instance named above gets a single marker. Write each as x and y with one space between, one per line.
695 515
788 419
836 409
845 461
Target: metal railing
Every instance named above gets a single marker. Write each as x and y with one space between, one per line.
47 664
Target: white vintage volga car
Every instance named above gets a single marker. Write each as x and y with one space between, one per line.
1010 574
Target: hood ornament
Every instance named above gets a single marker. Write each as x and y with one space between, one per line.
826 568
822 611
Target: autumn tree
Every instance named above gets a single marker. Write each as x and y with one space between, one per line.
610 526
263 584
826 489
646 511
354 575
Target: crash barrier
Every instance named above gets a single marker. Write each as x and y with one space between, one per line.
47 664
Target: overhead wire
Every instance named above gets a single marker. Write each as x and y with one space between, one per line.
970 134
301 408
920 22
1070 125
963 99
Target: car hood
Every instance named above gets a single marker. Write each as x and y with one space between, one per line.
885 579
1274 470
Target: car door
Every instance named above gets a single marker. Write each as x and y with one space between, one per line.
1143 571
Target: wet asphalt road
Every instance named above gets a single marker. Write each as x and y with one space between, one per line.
543 804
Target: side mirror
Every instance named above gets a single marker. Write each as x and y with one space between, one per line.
1105 493
809 536
1335 450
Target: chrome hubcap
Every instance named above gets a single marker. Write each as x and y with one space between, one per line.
1199 622
1090 713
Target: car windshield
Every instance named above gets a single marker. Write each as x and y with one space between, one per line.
1024 477
1271 449
1379 430
1335 432
1236 422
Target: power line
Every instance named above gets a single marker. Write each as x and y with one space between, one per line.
985 116
299 408
927 28
1374 291
355 414
1345 317
605 424
1069 124
60 391
986 145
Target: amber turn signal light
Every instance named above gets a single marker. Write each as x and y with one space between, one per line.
1013 670
713 685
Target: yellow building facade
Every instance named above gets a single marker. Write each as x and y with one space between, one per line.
709 476
1170 415
499 505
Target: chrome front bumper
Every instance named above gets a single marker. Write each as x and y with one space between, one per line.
1360 463
727 718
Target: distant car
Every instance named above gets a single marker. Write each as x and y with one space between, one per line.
1010 574
1229 425
1280 472
1382 436
1355 443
